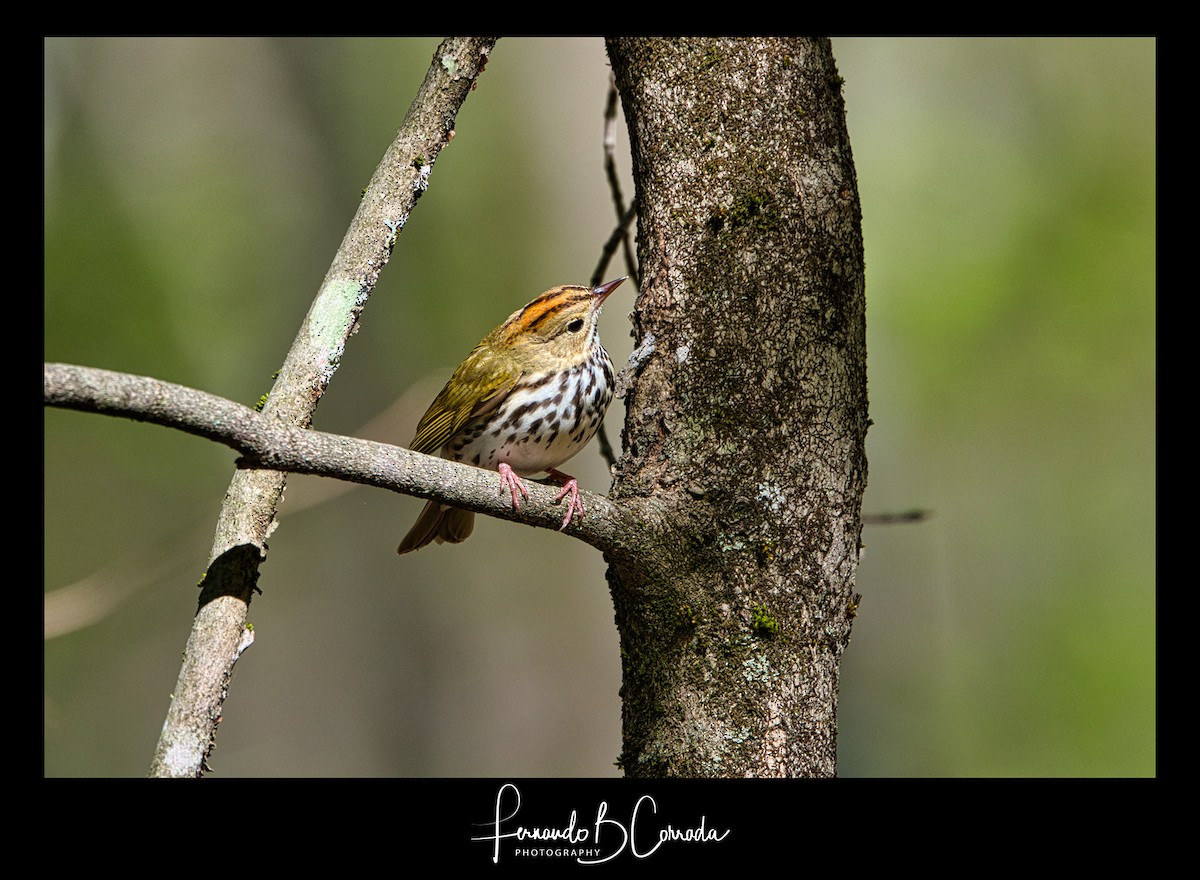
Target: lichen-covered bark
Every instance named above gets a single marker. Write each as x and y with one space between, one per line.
747 408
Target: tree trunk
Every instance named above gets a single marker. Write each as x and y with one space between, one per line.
746 408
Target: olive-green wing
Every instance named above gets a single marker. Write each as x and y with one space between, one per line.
479 384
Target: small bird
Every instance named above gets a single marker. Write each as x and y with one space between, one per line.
527 398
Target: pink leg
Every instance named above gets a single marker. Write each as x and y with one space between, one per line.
570 487
510 481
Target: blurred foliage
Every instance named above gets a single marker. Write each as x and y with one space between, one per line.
1009 216
195 191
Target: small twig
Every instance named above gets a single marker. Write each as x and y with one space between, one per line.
891 519
606 449
624 216
620 235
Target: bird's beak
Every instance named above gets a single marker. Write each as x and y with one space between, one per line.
601 293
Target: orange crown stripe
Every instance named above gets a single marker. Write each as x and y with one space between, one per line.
548 303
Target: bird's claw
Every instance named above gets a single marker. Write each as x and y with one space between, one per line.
570 487
510 481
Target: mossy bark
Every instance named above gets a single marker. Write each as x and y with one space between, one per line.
747 408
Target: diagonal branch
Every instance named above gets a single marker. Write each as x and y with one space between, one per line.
248 514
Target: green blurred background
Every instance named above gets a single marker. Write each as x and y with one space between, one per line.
195 191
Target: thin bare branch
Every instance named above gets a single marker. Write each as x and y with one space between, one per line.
248 515
620 235
625 214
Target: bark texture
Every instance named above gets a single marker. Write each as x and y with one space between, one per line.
746 408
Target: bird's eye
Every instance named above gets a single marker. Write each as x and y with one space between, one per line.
576 325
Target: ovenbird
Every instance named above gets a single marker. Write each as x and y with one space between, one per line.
527 398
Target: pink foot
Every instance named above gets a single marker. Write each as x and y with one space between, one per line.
510 481
570 487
